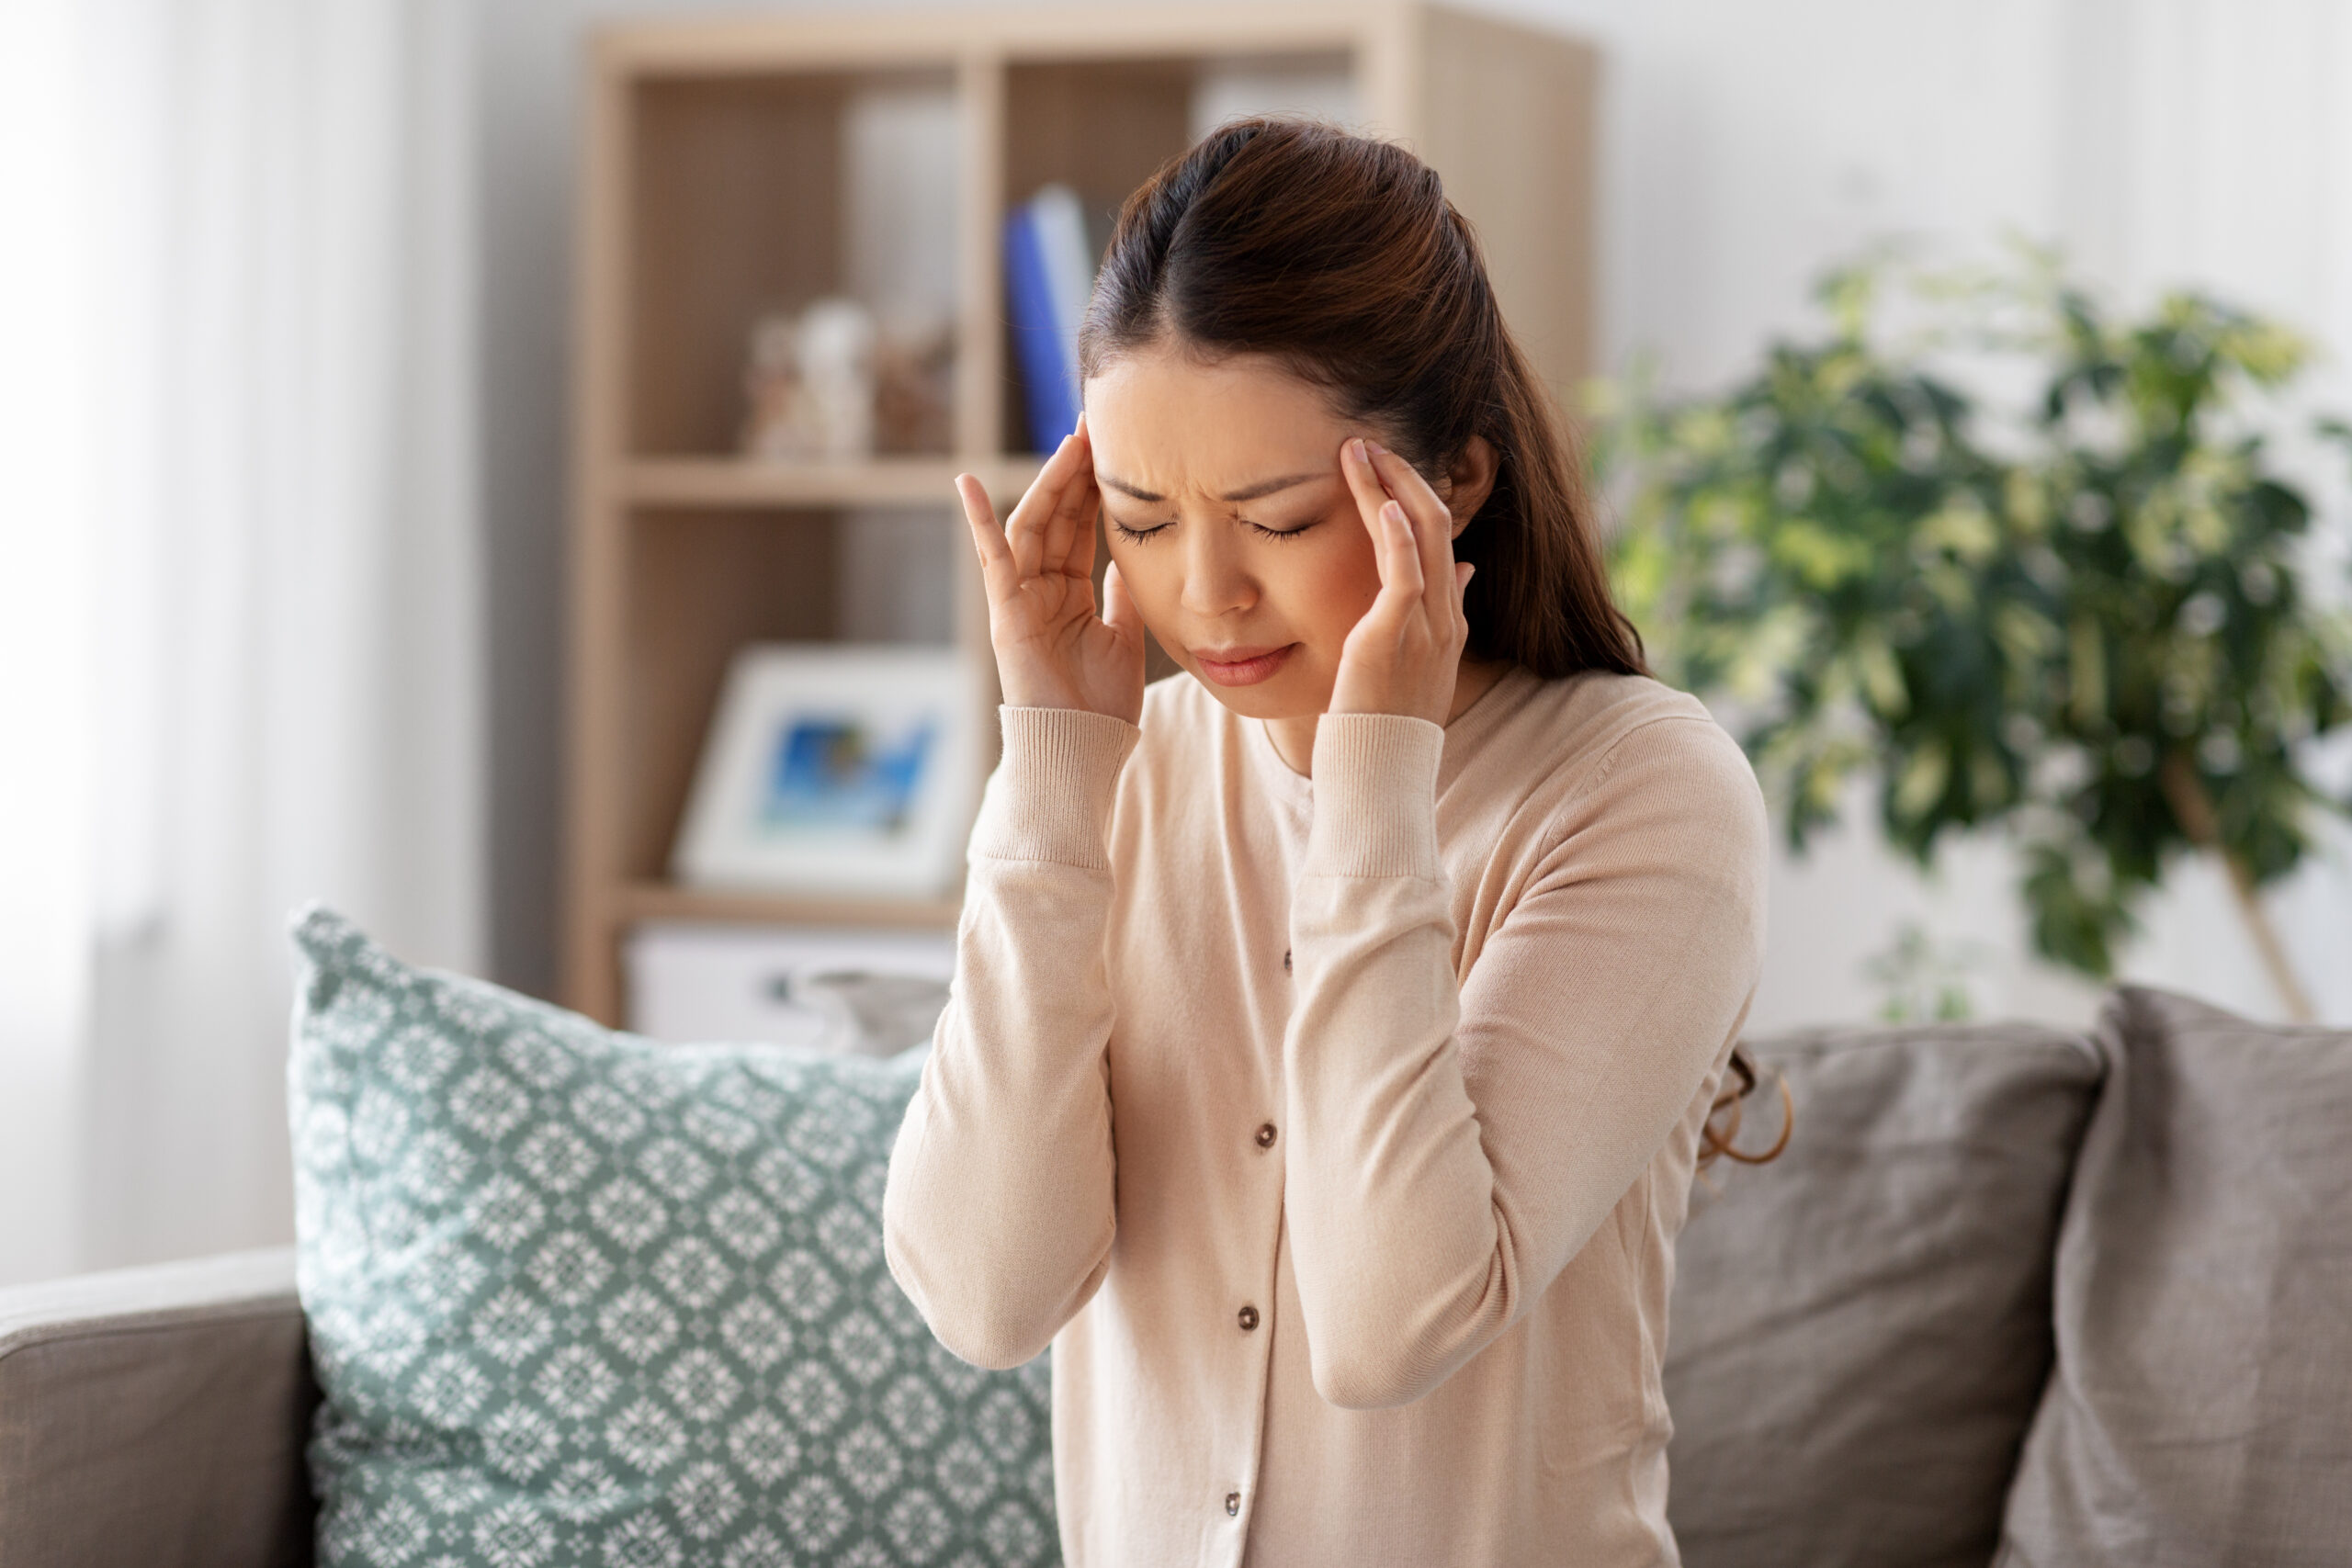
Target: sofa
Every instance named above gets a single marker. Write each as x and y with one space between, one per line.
2014 1295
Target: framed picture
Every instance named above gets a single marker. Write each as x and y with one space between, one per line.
836 768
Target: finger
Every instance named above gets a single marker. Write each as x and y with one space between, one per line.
1032 515
1363 483
1394 551
1087 538
1432 519
1025 530
997 570
1059 523
1119 612
1403 481
1401 566
1086 504
1069 535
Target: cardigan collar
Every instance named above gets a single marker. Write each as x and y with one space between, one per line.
1465 736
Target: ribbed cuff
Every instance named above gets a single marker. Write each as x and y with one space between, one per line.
1375 796
1050 798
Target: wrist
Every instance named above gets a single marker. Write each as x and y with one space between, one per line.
1051 795
1375 795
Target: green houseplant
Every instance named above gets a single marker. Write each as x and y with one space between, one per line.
2087 618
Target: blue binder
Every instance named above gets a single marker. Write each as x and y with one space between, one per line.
1048 276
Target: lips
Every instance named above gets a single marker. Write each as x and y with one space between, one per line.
1242 666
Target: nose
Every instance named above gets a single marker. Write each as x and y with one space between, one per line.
1216 580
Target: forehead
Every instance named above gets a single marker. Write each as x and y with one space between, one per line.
1172 424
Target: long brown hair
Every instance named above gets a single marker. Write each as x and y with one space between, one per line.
1340 257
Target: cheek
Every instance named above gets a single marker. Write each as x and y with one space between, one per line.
1336 578
1145 571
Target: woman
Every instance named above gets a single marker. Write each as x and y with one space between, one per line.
1336 1024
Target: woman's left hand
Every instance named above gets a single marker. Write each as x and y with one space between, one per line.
1403 656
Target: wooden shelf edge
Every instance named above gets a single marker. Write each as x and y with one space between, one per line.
668 901
750 41
889 481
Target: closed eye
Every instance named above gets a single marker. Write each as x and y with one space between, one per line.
1139 534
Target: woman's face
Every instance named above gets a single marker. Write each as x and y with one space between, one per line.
1231 523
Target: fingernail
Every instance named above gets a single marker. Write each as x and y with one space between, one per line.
1357 451
1374 446
1395 512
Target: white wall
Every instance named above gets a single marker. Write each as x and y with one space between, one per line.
2160 142
1745 145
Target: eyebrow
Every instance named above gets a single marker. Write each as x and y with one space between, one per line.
1247 493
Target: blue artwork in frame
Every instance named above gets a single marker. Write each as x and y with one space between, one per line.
836 771
842 768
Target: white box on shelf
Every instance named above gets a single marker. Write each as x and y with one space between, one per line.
876 991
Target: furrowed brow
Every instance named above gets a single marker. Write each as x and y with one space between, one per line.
1247 493
1124 488
1251 493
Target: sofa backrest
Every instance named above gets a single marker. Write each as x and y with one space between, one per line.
156 1417
1860 1366
2020 1297
1860 1329
2202 1409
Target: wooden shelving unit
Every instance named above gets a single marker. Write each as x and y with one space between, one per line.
715 187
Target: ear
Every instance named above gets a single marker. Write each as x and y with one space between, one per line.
1470 479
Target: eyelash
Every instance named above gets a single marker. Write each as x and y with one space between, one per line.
1132 536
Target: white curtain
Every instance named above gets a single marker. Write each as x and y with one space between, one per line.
240 667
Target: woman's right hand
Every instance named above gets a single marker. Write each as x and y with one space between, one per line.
1052 649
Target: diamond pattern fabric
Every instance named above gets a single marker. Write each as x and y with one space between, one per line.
576 1297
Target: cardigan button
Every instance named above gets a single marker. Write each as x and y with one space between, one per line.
1266 1136
1232 1504
1248 1319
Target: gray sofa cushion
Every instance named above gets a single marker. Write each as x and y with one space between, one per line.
1860 1329
2202 1409
156 1415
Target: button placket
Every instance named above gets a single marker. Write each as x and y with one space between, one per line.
1248 1317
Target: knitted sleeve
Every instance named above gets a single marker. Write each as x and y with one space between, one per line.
997 1214
1455 1144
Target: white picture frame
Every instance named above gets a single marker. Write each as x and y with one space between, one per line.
835 768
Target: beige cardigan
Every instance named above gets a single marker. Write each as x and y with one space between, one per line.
1336 1132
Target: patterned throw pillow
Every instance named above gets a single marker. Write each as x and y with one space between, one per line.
576 1297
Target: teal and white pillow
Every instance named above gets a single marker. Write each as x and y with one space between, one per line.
576 1297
